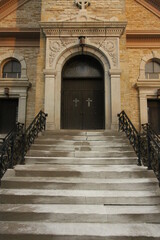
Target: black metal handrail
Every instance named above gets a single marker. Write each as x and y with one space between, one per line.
37 125
146 144
153 149
16 144
8 149
127 126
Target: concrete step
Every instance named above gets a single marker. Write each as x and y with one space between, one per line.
106 148
61 142
79 213
78 231
83 171
81 161
82 133
129 184
38 196
118 153
82 138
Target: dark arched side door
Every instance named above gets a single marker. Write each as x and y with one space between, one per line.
82 94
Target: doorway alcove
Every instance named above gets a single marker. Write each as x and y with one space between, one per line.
82 103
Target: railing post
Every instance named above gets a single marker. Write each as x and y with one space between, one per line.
12 152
149 151
139 150
23 146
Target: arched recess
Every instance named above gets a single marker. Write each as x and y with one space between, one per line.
53 81
15 88
144 60
147 88
82 98
18 57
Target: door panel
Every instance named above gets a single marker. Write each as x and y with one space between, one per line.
83 104
8 114
72 110
154 114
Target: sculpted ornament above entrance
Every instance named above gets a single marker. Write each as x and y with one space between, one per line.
82 4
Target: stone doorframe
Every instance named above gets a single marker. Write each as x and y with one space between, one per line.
147 87
62 43
17 87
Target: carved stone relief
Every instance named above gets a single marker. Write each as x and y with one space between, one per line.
109 46
82 4
55 46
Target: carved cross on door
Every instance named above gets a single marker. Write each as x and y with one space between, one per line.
82 4
89 101
76 101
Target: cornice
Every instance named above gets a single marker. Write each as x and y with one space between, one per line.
19 37
148 84
14 83
10 6
75 29
151 7
143 39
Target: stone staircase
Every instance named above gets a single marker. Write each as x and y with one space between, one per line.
80 186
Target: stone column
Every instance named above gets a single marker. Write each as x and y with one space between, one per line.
49 103
115 96
143 108
22 108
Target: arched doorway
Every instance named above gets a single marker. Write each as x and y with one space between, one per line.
82 94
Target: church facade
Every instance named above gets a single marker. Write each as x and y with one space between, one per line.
82 62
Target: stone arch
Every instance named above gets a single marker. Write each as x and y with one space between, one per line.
144 60
89 49
53 81
17 57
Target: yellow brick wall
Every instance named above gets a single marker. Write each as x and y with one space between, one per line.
62 9
28 15
140 18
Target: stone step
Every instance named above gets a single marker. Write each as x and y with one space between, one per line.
82 138
78 231
84 171
38 196
129 184
118 153
79 213
106 148
61 142
81 161
82 133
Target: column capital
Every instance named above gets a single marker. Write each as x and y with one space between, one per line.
49 73
114 72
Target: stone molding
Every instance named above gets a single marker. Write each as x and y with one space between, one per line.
89 29
147 88
19 58
151 7
17 87
144 60
10 6
143 39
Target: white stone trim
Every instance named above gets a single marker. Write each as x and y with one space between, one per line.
18 87
144 60
147 87
53 84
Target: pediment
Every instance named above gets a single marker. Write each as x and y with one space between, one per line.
83 16
9 6
152 5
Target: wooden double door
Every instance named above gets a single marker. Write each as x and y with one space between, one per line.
83 104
